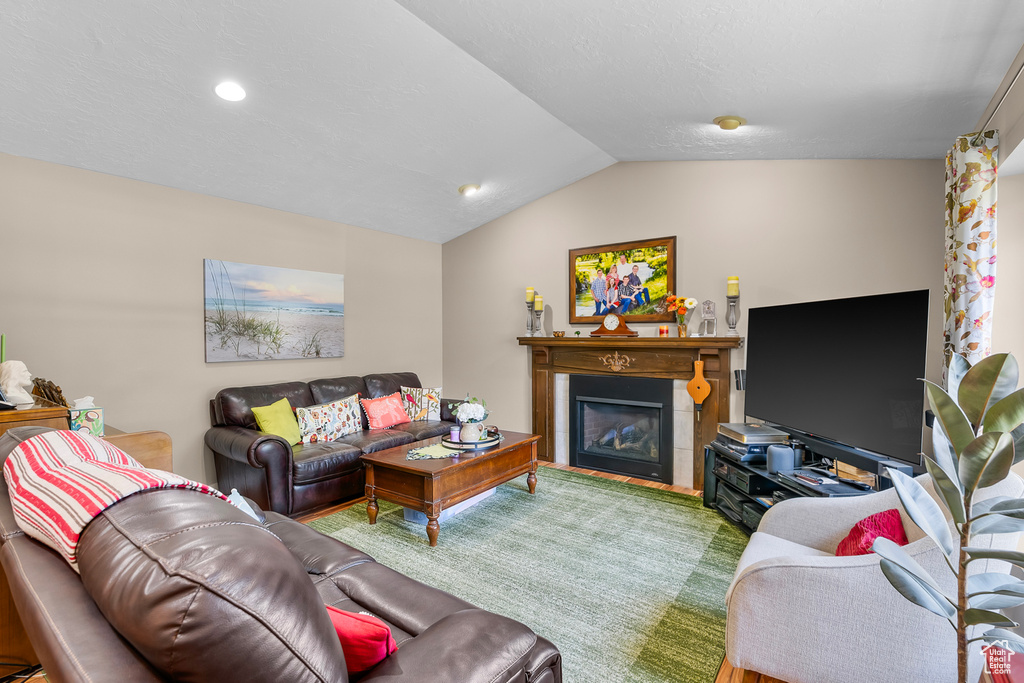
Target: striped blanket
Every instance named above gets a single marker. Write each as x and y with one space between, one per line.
59 481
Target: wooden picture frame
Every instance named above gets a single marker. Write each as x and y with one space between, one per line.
656 270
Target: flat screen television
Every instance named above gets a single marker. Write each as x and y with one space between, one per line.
845 371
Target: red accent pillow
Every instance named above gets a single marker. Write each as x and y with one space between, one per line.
385 412
365 640
886 524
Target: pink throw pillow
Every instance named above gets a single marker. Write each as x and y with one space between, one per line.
385 412
365 640
886 524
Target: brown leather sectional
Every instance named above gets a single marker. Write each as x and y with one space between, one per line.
293 479
177 585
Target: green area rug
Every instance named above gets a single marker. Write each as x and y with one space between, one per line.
628 582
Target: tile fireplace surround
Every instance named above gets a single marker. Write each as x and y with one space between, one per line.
554 359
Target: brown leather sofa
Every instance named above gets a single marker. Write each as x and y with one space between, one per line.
292 479
178 585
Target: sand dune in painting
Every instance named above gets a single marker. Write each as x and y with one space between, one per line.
304 335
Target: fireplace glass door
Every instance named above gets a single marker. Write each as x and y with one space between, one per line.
622 425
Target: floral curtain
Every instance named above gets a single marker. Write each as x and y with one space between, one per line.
970 281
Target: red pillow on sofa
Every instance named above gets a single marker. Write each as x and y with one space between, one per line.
886 524
384 412
365 640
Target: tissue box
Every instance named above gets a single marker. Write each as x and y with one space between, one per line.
88 420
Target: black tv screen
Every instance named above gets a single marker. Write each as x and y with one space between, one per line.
845 370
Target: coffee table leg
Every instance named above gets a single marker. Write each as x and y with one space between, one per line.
531 481
433 528
371 510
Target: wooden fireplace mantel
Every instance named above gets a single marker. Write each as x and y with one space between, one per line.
661 357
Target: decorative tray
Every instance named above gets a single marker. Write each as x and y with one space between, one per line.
470 445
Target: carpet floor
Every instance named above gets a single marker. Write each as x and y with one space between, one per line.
629 582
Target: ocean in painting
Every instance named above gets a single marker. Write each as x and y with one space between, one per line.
268 313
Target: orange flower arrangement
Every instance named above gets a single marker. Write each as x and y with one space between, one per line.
680 306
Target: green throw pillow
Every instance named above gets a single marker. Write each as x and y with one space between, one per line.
278 418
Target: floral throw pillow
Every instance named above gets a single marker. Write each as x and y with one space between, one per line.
329 421
422 403
385 412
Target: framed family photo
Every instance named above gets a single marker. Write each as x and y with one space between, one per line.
630 278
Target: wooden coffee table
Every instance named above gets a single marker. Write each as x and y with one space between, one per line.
431 486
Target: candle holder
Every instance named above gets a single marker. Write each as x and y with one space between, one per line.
529 318
732 316
538 329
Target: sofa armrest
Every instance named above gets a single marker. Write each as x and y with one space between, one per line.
266 452
256 449
72 639
821 523
470 646
785 616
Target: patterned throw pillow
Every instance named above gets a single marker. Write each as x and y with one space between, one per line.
422 403
329 421
385 412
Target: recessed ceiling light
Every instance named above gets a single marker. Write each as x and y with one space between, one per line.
469 190
730 122
230 91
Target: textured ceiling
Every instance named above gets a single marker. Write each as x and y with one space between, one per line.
373 112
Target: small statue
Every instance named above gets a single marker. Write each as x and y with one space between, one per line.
16 381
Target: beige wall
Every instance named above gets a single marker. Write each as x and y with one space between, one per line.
1008 321
103 294
791 230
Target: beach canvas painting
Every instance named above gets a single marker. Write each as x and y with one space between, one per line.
267 313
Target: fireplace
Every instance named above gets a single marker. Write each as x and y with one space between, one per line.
621 425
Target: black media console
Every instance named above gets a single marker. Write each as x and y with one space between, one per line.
743 492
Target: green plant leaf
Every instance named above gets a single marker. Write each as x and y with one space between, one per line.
997 524
987 382
991 581
1012 556
923 509
1000 591
999 600
949 489
916 591
945 456
1007 414
1004 505
1018 444
982 616
949 417
888 550
958 367
1013 641
986 461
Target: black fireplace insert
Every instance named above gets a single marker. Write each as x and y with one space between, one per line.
621 425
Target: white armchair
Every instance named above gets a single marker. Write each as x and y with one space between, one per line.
799 613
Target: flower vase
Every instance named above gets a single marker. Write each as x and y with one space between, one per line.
471 431
682 324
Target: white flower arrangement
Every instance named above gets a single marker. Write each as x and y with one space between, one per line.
471 410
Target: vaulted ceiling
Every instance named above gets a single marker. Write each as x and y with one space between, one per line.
373 112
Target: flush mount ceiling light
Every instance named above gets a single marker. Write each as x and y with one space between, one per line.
469 190
730 122
230 91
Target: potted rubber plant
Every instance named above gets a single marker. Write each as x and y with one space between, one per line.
977 436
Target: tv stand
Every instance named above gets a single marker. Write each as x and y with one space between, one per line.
743 492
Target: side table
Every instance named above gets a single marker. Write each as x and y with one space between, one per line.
15 648
42 413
